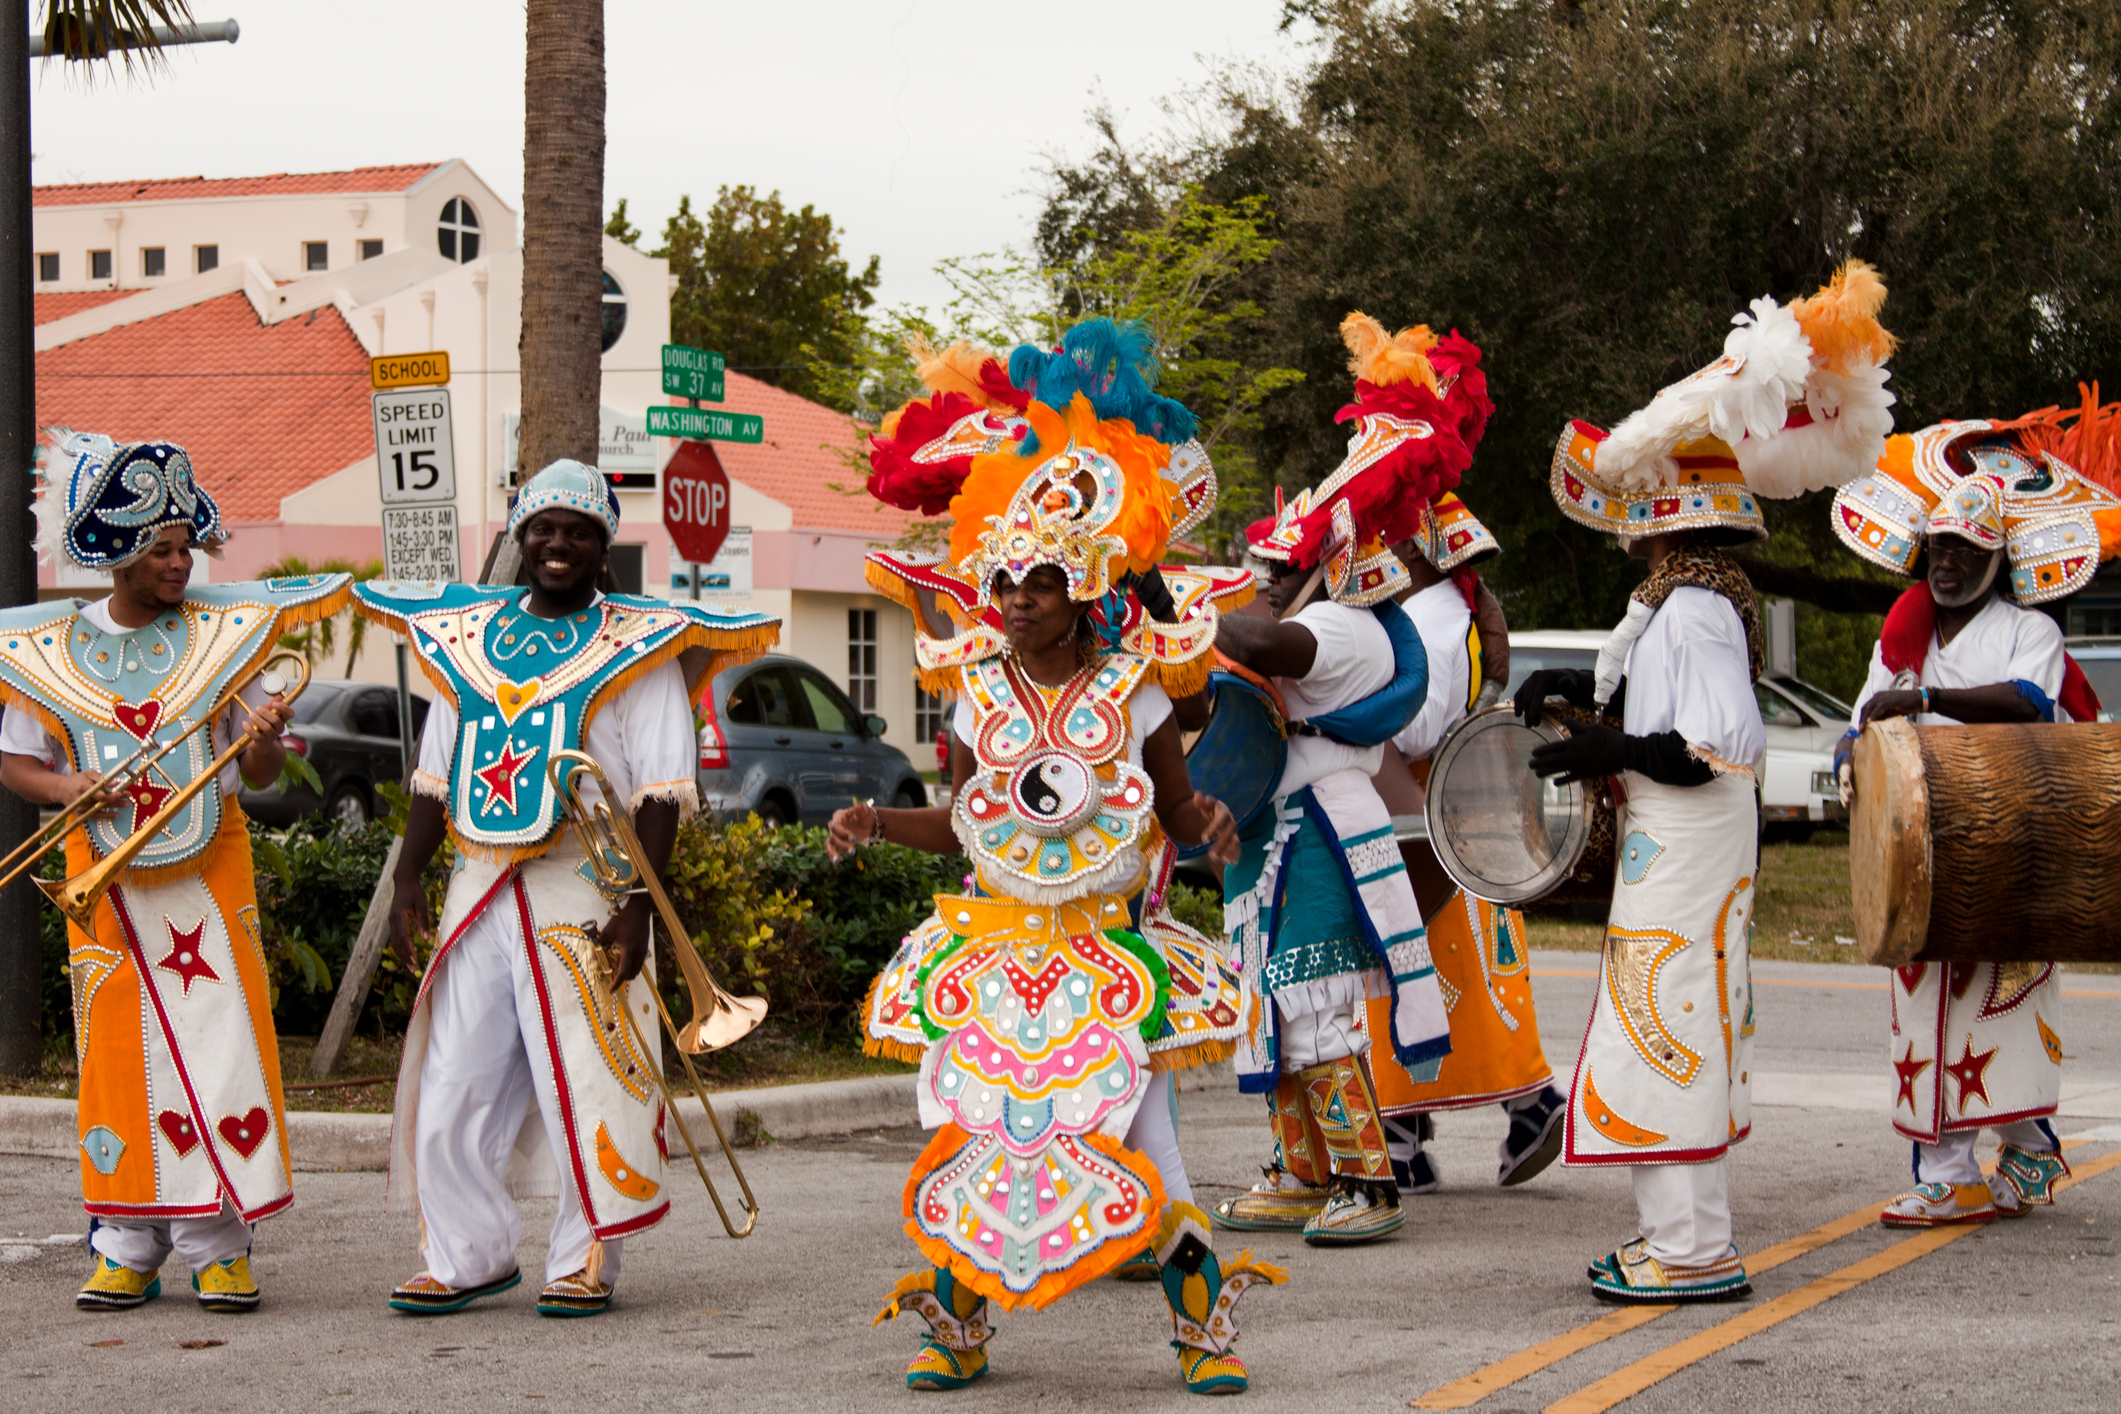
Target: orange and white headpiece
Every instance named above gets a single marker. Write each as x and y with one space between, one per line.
1796 403
2041 488
1413 416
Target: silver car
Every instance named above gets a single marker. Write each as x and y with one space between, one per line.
786 745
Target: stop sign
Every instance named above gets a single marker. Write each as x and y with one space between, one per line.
696 501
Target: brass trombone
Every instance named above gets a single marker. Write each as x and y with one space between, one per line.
718 1019
78 896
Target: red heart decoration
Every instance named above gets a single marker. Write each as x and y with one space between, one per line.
138 719
177 1129
244 1133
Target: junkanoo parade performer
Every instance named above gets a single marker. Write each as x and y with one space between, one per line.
1319 906
1796 403
518 1077
183 1137
1992 518
1483 963
1048 1003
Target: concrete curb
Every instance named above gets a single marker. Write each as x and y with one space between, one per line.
324 1142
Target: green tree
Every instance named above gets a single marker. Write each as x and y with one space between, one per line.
620 229
758 282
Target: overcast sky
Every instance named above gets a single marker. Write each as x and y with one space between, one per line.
918 124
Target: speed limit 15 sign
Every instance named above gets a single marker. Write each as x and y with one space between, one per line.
414 459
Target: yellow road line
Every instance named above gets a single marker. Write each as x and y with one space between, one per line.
1471 1389
1631 1380
1795 982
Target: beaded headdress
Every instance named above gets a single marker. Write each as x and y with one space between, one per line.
2013 485
101 503
569 486
1418 400
1796 403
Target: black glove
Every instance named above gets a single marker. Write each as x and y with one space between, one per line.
1593 751
1155 596
1586 754
1575 684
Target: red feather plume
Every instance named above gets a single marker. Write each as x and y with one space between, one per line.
1388 498
898 480
1456 360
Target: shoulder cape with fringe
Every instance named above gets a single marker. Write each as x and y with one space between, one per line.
524 687
101 695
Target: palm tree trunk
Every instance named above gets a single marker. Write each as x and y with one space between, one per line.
561 346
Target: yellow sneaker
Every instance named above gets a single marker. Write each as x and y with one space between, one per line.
112 1287
1207 1372
939 1367
226 1286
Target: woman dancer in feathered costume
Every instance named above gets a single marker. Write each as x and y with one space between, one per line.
1047 1003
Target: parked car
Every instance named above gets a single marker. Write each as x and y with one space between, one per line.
2101 660
348 732
786 744
1802 721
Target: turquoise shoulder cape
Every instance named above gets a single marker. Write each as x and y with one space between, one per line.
524 687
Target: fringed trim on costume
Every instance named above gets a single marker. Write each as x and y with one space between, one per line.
429 784
46 717
1716 763
396 624
685 795
503 856
1186 678
1184 1055
888 1048
892 587
938 682
295 616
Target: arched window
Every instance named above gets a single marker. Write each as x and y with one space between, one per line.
458 234
614 311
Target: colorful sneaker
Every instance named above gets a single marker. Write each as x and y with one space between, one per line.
1357 1212
936 1367
579 1294
2024 1178
226 1286
424 1296
1413 1168
113 1287
1206 1372
1534 1140
1139 1267
1941 1205
1279 1202
1632 1277
1202 1292
954 1352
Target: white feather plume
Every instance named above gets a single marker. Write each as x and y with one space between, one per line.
54 465
1747 392
1851 417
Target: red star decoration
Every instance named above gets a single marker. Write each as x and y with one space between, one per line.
1909 1070
184 957
500 777
1970 1071
147 798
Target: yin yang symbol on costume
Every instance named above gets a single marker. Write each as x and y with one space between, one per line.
1052 792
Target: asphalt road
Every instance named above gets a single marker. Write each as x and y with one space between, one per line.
2023 1313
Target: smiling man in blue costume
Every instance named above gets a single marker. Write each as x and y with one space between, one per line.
1797 403
183 1140
513 1038
1320 907
1048 1003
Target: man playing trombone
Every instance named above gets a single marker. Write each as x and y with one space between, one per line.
519 1023
183 1142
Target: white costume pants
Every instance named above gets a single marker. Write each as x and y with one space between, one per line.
201 1242
1155 1133
1953 1161
476 1085
1332 1032
1685 1211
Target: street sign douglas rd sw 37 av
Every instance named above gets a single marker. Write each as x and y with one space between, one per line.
692 373
696 501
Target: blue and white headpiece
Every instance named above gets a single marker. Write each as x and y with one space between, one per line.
104 502
571 486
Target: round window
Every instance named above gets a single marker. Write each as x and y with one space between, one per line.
457 235
614 311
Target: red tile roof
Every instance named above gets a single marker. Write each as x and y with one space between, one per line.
264 410
805 452
58 306
358 179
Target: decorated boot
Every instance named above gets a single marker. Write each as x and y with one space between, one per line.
1293 1186
424 1295
112 1286
1202 1293
2024 1178
1941 1205
1632 1277
1363 1205
226 1286
954 1352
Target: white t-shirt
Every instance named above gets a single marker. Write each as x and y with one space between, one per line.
2004 641
1148 709
1354 659
1689 673
1444 622
21 734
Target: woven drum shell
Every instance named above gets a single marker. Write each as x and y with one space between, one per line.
1992 843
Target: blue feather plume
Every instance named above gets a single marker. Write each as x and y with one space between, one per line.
1112 365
